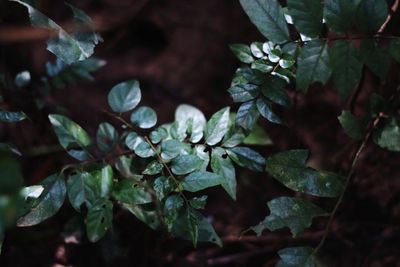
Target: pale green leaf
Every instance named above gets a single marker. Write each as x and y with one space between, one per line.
163 186
258 137
71 136
222 165
128 192
296 257
295 213
186 113
185 164
198 202
217 126
200 180
23 78
124 96
388 137
172 206
242 52
48 204
154 167
268 17
144 117
170 149
12 116
200 151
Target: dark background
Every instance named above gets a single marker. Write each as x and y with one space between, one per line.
179 52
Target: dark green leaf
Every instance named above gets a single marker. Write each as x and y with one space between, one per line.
222 165
376 59
389 136
106 137
273 90
124 96
48 204
247 75
170 149
192 225
67 47
99 220
339 14
394 49
200 180
83 188
234 136
71 136
12 116
307 16
247 115
149 217
265 109
346 67
1 236
198 202
312 65
268 17
185 164
371 14
126 167
144 117
217 126
242 52
248 158
172 206
244 92
126 191
296 257
263 65
295 213
289 168
11 178
352 126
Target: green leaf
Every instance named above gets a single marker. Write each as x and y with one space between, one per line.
262 65
106 137
163 186
217 126
246 75
242 52
339 14
148 217
198 202
23 78
296 257
234 136
200 180
11 178
192 225
388 137
12 116
105 176
247 115
124 96
265 109
258 137
346 67
185 114
170 149
289 168
71 136
268 17
371 14
222 165
126 167
144 117
200 152
99 219
247 158
139 145
185 164
48 204
394 49
352 126
172 206
82 188
376 59
68 47
295 213
244 92
312 65
154 167
257 49
128 192
307 16
2 230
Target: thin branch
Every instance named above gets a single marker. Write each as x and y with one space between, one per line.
393 9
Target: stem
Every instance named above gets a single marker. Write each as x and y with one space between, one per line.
348 177
118 117
359 37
